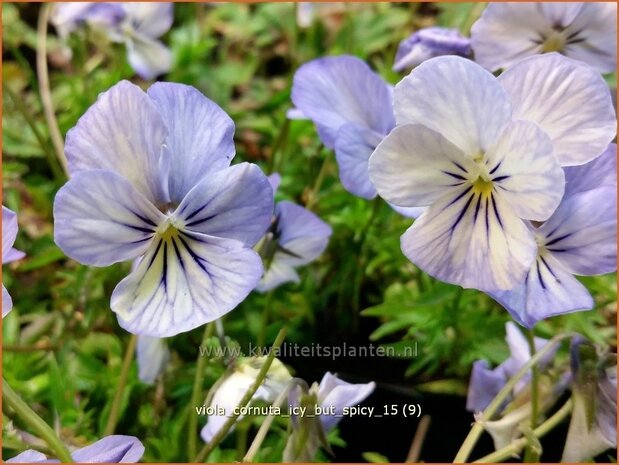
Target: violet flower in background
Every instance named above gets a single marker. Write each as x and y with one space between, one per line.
150 177
296 237
111 449
9 254
138 25
152 355
580 238
508 32
428 43
483 153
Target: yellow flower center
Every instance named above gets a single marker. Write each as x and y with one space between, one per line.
554 43
482 186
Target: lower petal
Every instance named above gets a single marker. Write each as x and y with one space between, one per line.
111 449
7 302
183 282
548 290
471 240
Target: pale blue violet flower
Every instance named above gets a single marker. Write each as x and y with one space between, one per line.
296 237
152 355
9 254
507 32
430 42
138 25
151 178
484 155
579 238
111 449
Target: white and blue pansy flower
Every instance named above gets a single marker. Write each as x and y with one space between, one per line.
111 449
430 42
580 238
9 254
296 237
150 178
508 32
482 174
138 25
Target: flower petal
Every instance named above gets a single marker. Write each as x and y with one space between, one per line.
111 449
526 171
336 393
413 166
28 456
570 102
153 19
7 302
9 231
152 355
600 172
278 273
427 43
201 135
470 240
100 219
234 203
595 31
122 132
353 147
183 282
334 91
582 233
507 32
484 385
148 57
548 290
456 98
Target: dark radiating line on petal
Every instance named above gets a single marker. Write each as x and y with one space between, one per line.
539 276
144 219
496 167
477 208
288 252
552 249
203 220
164 277
139 228
557 239
463 212
178 254
460 196
487 217
548 267
496 212
196 257
501 178
152 259
141 240
454 175
459 166
195 212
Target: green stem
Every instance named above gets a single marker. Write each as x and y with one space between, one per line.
358 280
112 420
313 194
470 441
36 423
265 319
196 394
223 431
516 446
44 87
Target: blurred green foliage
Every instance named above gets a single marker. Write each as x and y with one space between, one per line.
63 348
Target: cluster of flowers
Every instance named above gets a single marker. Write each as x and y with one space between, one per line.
511 178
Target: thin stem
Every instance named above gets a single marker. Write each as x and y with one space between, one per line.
44 87
196 394
36 423
358 280
415 450
515 447
265 319
312 197
223 431
112 420
470 441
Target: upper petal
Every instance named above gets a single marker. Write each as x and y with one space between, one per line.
456 98
548 290
122 132
582 233
148 57
353 147
601 171
507 32
568 100
471 240
413 166
526 172
9 231
200 141
184 281
152 19
334 91
111 449
100 218
234 203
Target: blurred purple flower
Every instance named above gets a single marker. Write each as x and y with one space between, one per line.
508 32
151 178
482 153
579 238
9 254
111 449
296 237
428 43
136 24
